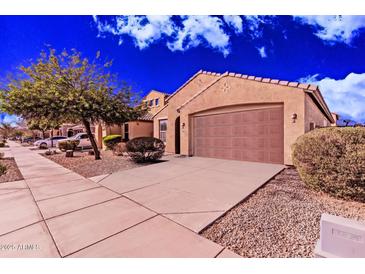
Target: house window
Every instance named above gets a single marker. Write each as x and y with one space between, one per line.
156 102
126 132
151 103
163 130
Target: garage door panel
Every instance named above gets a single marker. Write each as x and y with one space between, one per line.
276 115
255 135
275 142
275 156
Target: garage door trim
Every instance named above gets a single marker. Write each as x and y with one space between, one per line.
267 144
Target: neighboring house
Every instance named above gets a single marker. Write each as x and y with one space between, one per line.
154 101
239 117
69 130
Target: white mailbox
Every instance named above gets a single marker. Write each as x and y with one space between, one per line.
340 238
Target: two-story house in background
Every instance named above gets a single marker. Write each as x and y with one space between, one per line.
154 101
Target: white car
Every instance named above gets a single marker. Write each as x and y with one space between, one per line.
49 142
83 138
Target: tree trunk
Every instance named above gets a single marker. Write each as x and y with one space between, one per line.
43 134
92 139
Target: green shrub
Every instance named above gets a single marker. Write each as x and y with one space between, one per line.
2 169
2 144
111 140
145 149
332 160
68 145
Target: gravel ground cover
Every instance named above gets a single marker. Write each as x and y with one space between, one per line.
86 165
12 172
280 220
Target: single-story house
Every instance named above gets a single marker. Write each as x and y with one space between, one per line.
69 130
239 117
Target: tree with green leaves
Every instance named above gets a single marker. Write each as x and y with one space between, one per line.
69 88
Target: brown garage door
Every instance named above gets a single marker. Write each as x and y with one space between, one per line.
252 135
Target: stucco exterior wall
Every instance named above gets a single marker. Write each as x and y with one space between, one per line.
211 93
156 125
153 95
140 129
99 135
186 92
314 115
241 93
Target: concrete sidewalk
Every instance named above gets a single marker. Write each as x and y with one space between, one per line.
55 212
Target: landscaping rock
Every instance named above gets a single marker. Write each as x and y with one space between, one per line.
86 165
12 172
280 220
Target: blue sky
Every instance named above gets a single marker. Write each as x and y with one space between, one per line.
162 52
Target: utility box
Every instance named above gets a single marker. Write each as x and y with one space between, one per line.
340 238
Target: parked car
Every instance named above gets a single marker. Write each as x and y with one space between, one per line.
83 138
30 139
49 142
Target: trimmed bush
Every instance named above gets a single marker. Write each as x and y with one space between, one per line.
145 149
2 144
111 140
68 145
2 169
332 160
119 149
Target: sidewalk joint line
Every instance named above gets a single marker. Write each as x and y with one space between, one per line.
114 234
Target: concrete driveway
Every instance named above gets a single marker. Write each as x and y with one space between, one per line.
151 211
191 191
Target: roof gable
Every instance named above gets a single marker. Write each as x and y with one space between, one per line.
309 88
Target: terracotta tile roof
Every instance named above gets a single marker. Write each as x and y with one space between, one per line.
310 88
255 78
146 117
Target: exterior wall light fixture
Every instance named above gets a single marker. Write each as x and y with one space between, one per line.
294 117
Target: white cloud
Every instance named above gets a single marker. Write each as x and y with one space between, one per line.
255 24
234 21
197 29
333 29
144 29
191 31
344 96
311 79
262 52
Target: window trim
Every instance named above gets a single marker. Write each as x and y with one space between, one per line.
162 131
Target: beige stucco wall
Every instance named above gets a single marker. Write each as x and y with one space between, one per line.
153 95
247 93
163 114
232 94
314 115
136 129
140 129
174 102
